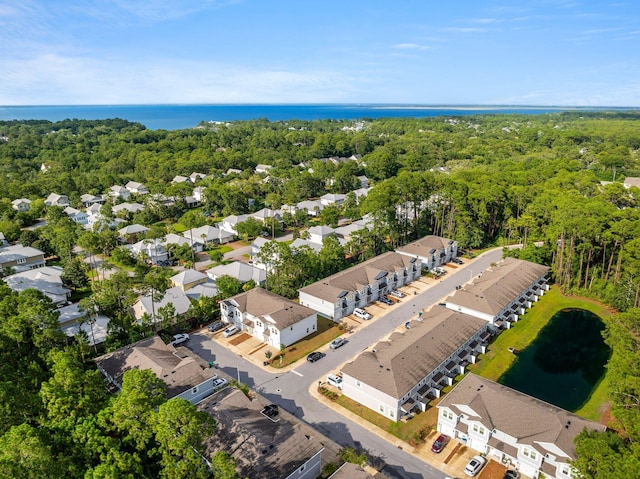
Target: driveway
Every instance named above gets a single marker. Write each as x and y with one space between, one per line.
290 389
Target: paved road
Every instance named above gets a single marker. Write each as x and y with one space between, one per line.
290 389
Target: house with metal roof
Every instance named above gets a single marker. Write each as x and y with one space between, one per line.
243 272
21 258
269 317
502 293
47 280
411 367
174 296
338 295
281 447
513 428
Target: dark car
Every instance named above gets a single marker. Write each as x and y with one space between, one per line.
440 443
315 356
511 474
457 260
216 326
385 300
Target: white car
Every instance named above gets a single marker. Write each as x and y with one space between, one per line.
361 313
397 294
335 381
219 383
230 331
180 338
336 343
474 465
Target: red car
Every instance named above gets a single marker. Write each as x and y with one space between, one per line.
440 443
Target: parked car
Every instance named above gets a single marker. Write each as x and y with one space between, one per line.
440 443
457 260
397 294
315 356
361 313
511 474
230 331
336 343
216 326
219 383
474 465
180 338
385 300
335 381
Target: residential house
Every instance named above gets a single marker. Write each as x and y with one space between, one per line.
174 296
256 247
229 223
188 278
243 272
263 169
180 179
338 295
21 204
269 317
407 370
73 321
119 192
282 448
313 207
317 234
525 433
364 182
3 241
88 200
21 258
432 251
198 193
195 177
632 181
233 171
208 235
47 280
346 231
502 293
334 199
353 471
131 233
77 216
152 250
176 239
128 208
55 199
186 375
361 193
266 213
136 188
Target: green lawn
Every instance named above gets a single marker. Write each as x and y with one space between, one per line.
222 248
327 332
498 358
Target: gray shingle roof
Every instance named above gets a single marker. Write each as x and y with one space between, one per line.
499 286
529 420
423 246
402 361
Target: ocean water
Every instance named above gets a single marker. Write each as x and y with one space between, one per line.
177 117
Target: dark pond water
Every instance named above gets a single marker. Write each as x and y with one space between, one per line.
565 361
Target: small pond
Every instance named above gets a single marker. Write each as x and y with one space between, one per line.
565 361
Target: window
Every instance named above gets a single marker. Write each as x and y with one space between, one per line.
533 455
302 468
447 414
391 413
479 429
21 260
381 407
565 470
358 383
194 390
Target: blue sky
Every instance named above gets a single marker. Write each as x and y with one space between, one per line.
481 52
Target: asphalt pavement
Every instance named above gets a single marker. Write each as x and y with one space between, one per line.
290 389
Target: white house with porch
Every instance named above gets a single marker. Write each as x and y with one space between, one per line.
520 431
338 295
269 317
404 372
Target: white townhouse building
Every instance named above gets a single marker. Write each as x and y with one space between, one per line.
502 293
407 370
525 433
269 317
338 295
431 250
186 376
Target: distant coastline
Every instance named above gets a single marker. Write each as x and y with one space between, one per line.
177 117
